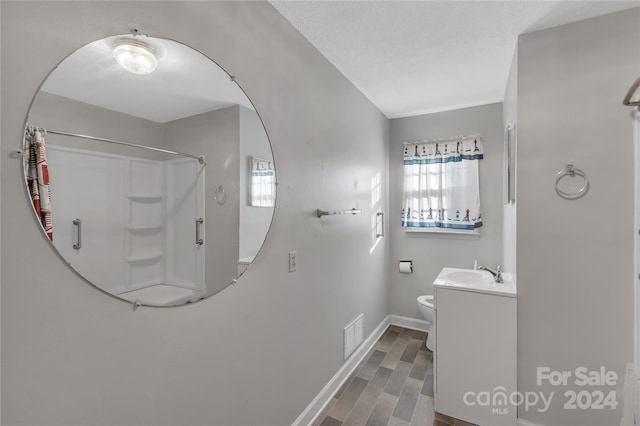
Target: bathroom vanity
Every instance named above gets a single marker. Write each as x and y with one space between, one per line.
475 355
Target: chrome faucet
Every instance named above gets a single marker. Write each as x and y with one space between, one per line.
497 274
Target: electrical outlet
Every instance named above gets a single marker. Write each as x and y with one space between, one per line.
293 261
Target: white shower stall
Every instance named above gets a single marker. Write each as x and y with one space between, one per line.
132 226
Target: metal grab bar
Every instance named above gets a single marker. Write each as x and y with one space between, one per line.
78 244
321 213
199 241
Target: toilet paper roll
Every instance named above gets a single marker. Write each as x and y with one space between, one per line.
406 266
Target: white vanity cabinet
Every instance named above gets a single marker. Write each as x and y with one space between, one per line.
475 356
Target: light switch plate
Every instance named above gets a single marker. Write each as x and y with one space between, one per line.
293 259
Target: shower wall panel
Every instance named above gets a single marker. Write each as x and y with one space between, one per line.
89 186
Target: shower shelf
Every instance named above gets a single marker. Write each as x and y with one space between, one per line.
145 198
144 229
139 260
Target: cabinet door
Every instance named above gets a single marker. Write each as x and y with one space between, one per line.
475 352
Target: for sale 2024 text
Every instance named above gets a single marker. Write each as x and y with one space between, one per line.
585 399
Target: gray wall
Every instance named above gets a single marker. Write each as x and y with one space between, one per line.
575 258
67 115
256 353
432 252
216 135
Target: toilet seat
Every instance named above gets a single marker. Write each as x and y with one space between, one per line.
426 300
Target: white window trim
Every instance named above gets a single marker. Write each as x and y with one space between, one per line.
445 232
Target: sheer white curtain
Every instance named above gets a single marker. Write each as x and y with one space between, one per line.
441 184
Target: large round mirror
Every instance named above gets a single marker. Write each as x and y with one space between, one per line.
149 170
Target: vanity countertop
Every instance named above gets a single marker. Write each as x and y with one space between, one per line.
474 280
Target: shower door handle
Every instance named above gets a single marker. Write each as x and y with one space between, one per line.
379 224
199 241
78 244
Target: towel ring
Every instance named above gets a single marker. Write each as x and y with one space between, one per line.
571 171
220 195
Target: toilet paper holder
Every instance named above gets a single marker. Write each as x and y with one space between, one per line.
405 266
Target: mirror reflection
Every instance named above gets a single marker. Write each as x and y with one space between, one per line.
149 170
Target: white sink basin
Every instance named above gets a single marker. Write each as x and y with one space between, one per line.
469 277
475 280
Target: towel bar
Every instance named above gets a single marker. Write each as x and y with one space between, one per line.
321 213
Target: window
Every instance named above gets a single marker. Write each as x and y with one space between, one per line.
262 183
441 185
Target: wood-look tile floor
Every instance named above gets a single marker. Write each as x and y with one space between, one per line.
393 385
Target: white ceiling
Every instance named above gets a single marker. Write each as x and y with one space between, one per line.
185 83
418 57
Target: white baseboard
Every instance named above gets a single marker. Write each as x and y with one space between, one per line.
406 322
314 409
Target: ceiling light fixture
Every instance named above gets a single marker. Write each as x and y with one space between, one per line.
135 56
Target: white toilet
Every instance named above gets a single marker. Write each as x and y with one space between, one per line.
425 304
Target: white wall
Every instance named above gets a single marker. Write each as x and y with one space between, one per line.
256 353
430 253
575 258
